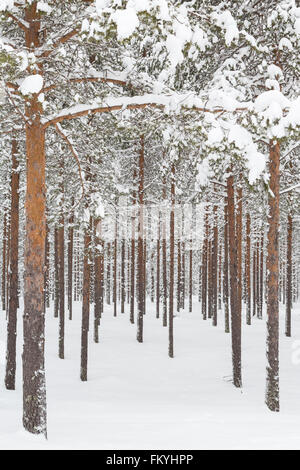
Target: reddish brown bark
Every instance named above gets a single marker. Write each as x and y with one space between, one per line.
272 382
34 386
226 274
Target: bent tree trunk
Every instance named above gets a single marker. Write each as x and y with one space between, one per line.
13 284
272 388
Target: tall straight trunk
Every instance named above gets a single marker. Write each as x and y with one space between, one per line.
179 273
183 274
115 275
8 264
47 265
132 268
272 381
97 277
61 277
70 264
257 279
209 279
171 283
4 252
158 266
13 284
164 257
140 260
220 278
248 268
200 279
34 384
123 292
191 278
239 237
108 273
56 273
234 299
214 268
226 274
254 264
85 305
261 275
204 266
289 264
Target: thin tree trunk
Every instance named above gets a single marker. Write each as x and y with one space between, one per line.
171 284
61 277
234 299
132 270
215 269
248 268
85 305
13 284
70 264
158 266
4 252
115 267
226 274
191 278
204 266
289 264
56 273
164 258
140 261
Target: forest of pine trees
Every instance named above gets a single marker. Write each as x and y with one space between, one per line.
149 166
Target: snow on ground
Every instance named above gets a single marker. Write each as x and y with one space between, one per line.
138 398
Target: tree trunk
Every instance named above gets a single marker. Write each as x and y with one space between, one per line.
4 250
70 265
289 264
132 270
234 299
13 284
248 268
140 261
272 386
61 277
204 266
171 283
56 273
158 266
214 261
85 305
226 274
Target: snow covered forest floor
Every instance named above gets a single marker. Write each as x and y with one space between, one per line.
138 398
